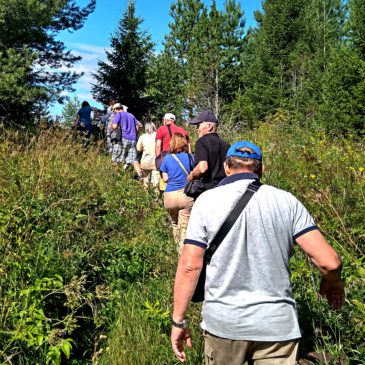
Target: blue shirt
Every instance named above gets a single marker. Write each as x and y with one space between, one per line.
85 114
177 176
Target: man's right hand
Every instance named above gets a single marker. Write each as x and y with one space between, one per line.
179 338
334 292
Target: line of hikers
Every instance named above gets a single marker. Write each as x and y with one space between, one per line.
248 313
166 162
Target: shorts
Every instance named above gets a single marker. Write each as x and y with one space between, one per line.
222 351
125 152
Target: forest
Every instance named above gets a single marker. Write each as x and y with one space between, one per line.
87 256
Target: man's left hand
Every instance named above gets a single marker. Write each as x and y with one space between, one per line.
180 337
190 177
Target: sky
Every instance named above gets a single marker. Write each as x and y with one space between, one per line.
91 41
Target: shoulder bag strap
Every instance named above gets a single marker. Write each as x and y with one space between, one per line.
169 128
191 165
181 165
231 219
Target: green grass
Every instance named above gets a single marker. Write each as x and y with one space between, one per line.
88 261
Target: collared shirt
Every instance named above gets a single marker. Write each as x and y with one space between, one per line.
248 293
163 135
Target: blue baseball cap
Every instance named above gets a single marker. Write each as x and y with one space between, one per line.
242 149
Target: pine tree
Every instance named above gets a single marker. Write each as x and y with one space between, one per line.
69 111
28 31
123 76
165 86
342 108
268 73
206 43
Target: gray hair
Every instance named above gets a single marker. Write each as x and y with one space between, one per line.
212 126
150 127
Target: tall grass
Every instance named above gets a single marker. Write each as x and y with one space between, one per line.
328 176
74 235
87 258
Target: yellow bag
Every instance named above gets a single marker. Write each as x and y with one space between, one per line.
162 185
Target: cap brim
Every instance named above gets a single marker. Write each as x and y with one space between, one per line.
195 121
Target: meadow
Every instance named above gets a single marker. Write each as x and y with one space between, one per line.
87 256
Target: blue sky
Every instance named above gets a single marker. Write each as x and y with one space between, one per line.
93 39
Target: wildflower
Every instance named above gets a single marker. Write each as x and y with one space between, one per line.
361 169
312 176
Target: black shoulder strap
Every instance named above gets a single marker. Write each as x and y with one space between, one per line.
231 219
169 128
190 161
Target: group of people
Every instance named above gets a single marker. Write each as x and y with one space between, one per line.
242 233
248 312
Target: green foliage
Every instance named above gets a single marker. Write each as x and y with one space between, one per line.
329 178
165 85
206 44
28 31
70 110
123 76
71 242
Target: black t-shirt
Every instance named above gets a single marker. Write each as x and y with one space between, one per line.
212 149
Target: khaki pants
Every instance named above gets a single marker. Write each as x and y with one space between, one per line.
178 205
150 177
222 351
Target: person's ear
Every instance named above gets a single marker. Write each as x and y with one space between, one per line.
226 169
262 170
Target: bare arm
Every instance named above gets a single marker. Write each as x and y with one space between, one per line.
165 177
158 147
199 170
326 259
187 275
139 145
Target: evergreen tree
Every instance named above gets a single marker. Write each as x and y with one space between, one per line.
165 86
206 44
123 76
342 109
28 31
69 111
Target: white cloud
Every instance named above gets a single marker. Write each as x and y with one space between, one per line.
90 54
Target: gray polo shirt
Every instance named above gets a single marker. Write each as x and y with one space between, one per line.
248 293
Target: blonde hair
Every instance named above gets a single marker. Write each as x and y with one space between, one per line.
150 127
178 143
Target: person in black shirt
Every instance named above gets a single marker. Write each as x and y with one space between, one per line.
210 151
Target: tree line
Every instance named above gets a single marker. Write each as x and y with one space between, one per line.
304 60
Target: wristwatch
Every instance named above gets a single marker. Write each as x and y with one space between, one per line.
184 324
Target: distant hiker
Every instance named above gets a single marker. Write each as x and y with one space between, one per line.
109 108
83 120
163 137
210 151
125 126
249 313
175 168
146 145
108 119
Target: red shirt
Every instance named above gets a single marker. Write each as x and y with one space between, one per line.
163 135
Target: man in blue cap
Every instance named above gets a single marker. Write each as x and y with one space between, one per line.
249 313
210 151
